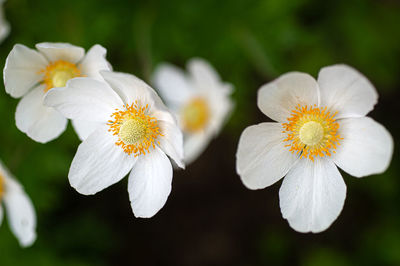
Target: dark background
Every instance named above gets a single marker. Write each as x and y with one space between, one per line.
210 218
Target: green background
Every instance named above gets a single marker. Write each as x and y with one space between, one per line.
210 218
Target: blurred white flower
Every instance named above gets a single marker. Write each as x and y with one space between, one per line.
200 101
321 126
30 74
136 134
4 25
20 212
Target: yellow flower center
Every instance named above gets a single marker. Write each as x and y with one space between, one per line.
57 73
195 115
1 186
137 131
312 131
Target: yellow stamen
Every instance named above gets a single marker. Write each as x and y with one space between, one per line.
195 115
312 131
57 73
136 130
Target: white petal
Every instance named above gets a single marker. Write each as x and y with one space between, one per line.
94 61
366 148
262 158
39 122
163 115
312 195
129 87
61 51
149 183
203 74
171 142
194 145
84 98
4 27
278 98
1 214
173 85
347 91
99 163
20 212
84 128
221 107
22 70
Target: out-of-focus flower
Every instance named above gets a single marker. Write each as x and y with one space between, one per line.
30 74
4 25
321 126
136 134
200 101
20 212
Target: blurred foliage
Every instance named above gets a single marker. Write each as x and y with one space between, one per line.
210 217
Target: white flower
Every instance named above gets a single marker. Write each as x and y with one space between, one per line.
30 74
321 125
136 134
199 100
20 212
4 25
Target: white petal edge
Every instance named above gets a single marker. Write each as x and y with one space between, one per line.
366 147
203 74
346 91
173 85
20 213
171 142
84 128
22 70
95 61
149 183
39 122
194 145
1 214
61 51
262 158
277 99
85 99
132 89
221 107
99 163
129 87
312 195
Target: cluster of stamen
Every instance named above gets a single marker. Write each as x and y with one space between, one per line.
312 131
195 115
137 131
57 73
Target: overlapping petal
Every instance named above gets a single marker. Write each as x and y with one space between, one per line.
61 51
85 99
129 87
346 91
171 142
99 163
312 195
95 61
262 158
84 128
279 98
39 122
22 70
